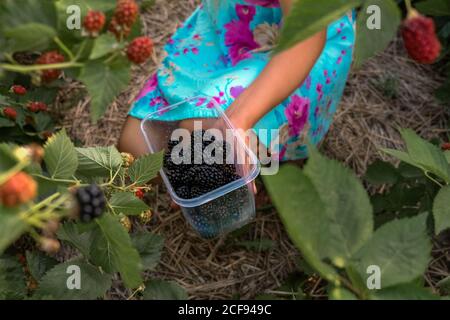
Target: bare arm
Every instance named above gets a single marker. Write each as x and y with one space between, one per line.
284 73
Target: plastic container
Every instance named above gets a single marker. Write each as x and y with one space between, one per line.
221 210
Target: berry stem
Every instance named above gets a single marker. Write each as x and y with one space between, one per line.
16 168
408 5
39 67
64 48
76 182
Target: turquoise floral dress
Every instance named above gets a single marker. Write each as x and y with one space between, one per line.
220 50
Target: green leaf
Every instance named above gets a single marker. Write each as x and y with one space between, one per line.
400 248
381 172
164 290
434 7
11 227
426 155
98 161
339 293
5 123
145 168
113 251
14 13
149 246
303 215
127 203
348 212
407 291
403 156
307 17
441 210
104 44
39 263
104 82
71 233
371 41
54 284
60 156
30 36
7 158
12 279
444 285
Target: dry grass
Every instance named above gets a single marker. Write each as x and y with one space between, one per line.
366 121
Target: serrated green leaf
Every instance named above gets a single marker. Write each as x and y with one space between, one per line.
303 215
403 156
104 44
11 227
163 290
73 234
127 203
426 155
444 285
104 82
30 36
407 291
441 210
14 13
113 251
12 279
348 212
400 248
98 161
39 263
60 156
54 284
149 246
371 41
146 168
381 172
308 17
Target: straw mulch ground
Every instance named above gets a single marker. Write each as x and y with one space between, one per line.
367 119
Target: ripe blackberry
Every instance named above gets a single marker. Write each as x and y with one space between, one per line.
183 192
91 202
37 106
50 57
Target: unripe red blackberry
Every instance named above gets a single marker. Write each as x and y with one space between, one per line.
445 146
35 106
94 22
140 193
126 12
91 202
140 50
10 113
51 57
19 90
127 159
18 189
419 36
49 245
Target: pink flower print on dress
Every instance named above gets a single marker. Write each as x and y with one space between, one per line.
319 90
200 101
149 86
339 60
328 81
245 13
239 38
194 50
236 91
308 82
297 113
216 99
265 3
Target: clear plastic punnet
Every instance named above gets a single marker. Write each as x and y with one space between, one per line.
226 208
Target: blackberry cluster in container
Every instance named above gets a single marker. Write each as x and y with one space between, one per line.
199 176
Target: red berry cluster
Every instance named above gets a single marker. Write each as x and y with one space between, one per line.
124 17
140 49
18 189
139 193
37 106
19 90
419 36
50 57
94 22
10 113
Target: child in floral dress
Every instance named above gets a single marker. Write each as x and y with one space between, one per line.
222 54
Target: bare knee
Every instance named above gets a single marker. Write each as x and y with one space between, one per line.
131 139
